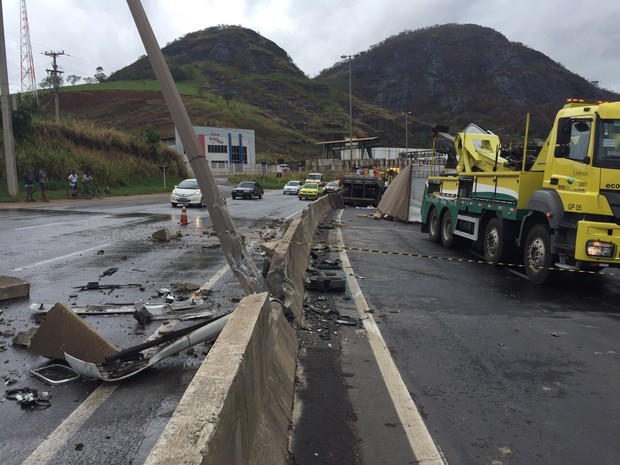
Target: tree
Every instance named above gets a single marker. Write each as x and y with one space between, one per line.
51 82
100 76
73 79
152 139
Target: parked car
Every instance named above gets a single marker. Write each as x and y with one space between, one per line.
291 187
187 193
248 190
283 169
310 190
332 187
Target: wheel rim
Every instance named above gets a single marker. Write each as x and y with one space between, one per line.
491 242
536 254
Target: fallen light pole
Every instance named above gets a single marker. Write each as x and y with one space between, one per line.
118 368
237 257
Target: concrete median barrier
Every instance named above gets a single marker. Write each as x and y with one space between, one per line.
237 409
289 257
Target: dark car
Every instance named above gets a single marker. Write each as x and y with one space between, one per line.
248 190
332 187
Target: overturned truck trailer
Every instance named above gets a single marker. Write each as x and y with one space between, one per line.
361 190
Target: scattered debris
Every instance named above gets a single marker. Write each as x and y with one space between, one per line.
23 338
109 272
100 252
55 374
129 362
165 235
94 285
171 309
29 398
347 321
185 287
326 281
63 331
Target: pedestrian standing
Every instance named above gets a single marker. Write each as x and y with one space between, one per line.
29 185
43 184
73 179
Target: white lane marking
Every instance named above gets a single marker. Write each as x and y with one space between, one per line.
293 215
39 226
55 259
63 433
420 440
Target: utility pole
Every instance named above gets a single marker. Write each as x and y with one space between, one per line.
55 74
7 123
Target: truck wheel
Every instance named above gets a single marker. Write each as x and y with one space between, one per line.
433 226
493 246
448 239
537 256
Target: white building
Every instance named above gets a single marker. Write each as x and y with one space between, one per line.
224 147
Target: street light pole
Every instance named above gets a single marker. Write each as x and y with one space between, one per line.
350 107
406 113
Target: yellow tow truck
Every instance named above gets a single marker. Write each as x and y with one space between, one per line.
557 209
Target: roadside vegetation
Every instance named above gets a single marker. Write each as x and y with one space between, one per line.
121 163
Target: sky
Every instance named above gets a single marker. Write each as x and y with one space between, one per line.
582 35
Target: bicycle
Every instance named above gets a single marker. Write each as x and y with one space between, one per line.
85 192
96 188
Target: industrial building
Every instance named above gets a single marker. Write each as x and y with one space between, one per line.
226 148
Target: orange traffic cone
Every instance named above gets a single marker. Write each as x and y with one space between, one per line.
184 221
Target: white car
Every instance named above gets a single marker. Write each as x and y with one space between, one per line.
291 187
187 193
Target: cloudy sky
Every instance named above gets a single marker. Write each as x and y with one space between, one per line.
582 35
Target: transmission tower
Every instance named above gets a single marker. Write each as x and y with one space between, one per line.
29 82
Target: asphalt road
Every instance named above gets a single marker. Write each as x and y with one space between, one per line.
502 371
60 246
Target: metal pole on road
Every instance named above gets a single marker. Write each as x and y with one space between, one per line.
238 258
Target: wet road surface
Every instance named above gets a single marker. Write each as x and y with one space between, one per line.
61 246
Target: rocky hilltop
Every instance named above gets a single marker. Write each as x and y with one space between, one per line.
451 74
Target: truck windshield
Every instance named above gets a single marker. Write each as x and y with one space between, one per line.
608 144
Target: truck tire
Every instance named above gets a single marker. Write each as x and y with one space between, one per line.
493 241
537 257
448 239
434 227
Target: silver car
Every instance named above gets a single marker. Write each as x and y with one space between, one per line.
291 187
187 193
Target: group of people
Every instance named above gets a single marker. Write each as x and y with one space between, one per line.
30 178
73 181
359 171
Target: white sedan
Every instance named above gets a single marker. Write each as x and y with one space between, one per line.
291 187
187 193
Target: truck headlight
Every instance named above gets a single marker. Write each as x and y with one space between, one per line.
600 249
